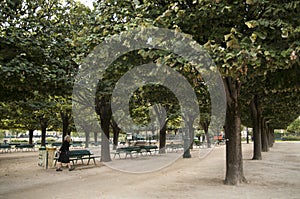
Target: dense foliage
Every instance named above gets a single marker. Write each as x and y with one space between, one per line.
254 44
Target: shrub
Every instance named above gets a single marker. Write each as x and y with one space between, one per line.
50 140
2 134
290 138
18 141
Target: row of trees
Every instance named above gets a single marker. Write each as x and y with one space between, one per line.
38 63
43 45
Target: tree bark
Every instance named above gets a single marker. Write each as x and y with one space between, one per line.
30 135
255 114
247 138
65 117
87 139
205 125
264 137
162 139
116 132
188 137
163 131
234 158
192 135
96 137
186 145
271 137
44 125
268 134
104 110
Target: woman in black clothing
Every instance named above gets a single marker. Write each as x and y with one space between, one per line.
64 154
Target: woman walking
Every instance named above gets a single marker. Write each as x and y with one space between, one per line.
64 153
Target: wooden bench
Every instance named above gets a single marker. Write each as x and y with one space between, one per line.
174 147
83 154
149 149
56 144
128 151
5 148
25 146
76 145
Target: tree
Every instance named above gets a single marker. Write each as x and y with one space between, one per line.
294 126
256 118
104 111
39 37
268 33
116 132
63 106
40 45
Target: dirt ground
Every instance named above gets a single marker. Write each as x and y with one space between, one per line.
276 176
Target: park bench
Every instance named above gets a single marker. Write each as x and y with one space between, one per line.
128 151
174 147
5 148
56 144
149 149
96 143
39 143
75 144
26 147
83 154
13 144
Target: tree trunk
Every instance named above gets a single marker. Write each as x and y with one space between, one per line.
104 110
264 137
205 125
116 132
153 136
44 125
271 137
192 135
162 139
234 158
87 139
186 145
105 151
268 134
65 117
116 140
247 138
163 131
96 137
255 114
31 135
188 137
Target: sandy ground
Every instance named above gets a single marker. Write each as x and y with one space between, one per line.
276 176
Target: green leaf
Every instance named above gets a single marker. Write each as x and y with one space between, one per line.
251 24
227 37
253 37
284 33
250 2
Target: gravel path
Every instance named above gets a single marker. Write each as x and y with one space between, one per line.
276 176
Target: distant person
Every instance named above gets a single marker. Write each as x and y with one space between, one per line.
64 154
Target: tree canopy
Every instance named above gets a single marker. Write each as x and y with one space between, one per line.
254 44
